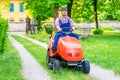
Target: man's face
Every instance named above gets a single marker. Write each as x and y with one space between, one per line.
64 13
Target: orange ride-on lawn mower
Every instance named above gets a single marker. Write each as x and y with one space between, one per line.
69 53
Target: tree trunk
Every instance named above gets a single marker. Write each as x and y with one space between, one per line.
69 7
95 13
56 14
56 11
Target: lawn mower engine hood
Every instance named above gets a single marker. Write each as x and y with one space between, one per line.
69 49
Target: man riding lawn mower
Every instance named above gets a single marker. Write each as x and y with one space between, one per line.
65 48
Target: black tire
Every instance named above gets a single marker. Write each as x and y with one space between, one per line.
86 67
56 65
49 64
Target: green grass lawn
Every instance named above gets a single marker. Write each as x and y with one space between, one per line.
10 64
102 50
40 54
42 36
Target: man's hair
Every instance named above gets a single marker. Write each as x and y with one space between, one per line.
64 9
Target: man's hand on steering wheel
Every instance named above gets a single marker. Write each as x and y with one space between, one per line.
71 30
59 29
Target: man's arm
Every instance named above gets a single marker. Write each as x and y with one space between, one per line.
57 25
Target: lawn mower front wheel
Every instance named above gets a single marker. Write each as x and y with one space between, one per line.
56 65
86 66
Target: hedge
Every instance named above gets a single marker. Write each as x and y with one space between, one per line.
3 34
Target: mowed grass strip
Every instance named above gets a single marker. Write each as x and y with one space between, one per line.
102 50
10 64
40 54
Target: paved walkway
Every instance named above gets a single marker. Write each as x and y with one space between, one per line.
96 71
32 70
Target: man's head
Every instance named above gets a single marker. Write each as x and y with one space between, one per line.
64 11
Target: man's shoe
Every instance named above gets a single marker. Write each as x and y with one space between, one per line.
53 49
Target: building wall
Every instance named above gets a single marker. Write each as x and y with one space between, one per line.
16 15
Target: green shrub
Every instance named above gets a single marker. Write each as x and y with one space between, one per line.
98 31
107 28
3 34
118 15
49 29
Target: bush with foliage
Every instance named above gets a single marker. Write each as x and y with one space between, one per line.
98 31
3 34
49 28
